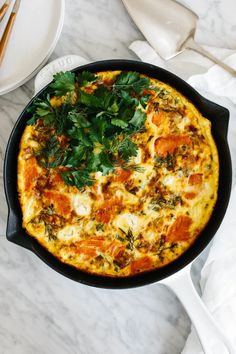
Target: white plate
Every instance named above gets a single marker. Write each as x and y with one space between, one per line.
34 36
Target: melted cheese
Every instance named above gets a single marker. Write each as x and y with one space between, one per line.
128 221
81 204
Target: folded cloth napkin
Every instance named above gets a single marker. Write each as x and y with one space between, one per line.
218 276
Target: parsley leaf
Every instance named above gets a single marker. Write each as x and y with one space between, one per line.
80 135
76 156
131 81
89 100
98 129
42 109
86 78
119 123
144 100
61 123
127 148
93 162
106 165
63 82
51 155
138 118
79 119
78 178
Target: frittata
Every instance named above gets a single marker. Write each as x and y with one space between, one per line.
117 172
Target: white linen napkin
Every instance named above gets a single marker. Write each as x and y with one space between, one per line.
218 276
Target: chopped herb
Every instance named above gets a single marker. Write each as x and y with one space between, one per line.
50 210
63 83
127 148
51 155
162 247
131 81
133 167
129 238
144 100
163 93
138 119
50 234
160 202
99 227
86 78
119 123
118 237
78 178
41 108
168 161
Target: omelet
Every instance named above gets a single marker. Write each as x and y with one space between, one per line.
138 216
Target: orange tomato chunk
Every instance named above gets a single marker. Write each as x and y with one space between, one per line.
122 175
168 144
195 179
60 201
141 264
55 180
190 195
158 118
90 247
31 173
108 210
115 248
179 230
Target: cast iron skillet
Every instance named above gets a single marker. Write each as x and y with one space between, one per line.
219 117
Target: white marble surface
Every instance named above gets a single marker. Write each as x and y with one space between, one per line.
42 312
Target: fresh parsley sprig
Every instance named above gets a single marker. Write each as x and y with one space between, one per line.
63 83
131 81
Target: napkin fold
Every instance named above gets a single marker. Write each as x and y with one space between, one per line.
218 275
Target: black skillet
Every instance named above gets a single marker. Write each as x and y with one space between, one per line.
219 117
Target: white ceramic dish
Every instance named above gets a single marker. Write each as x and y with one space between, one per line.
34 36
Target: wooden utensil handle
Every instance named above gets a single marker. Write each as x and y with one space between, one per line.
6 35
3 10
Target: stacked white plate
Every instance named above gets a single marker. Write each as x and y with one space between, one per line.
34 36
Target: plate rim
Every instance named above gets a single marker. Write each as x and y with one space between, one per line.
11 87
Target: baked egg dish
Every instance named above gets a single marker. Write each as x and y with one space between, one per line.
117 172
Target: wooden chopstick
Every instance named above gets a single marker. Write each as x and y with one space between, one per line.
4 9
8 29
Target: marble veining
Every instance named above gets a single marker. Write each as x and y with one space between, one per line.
42 312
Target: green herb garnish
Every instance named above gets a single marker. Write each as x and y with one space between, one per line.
129 238
160 202
63 83
97 128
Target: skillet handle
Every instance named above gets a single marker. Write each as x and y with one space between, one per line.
212 339
217 114
13 234
65 63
